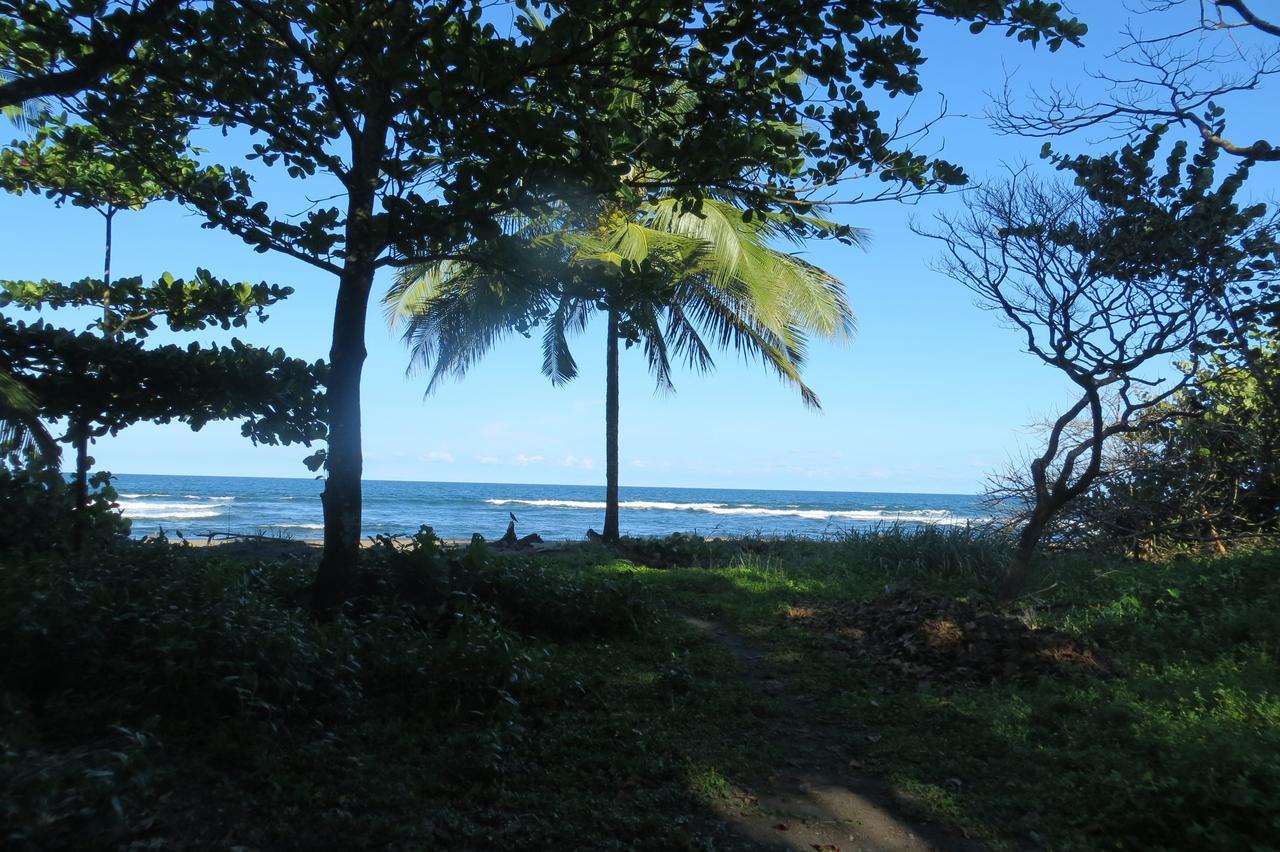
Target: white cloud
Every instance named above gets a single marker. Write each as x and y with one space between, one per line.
438 456
573 461
523 460
488 459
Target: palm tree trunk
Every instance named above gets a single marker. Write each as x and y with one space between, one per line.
611 431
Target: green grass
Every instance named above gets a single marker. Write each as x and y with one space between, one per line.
468 701
1180 749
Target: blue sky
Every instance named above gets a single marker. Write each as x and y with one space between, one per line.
930 396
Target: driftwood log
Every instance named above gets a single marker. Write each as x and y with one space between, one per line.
509 539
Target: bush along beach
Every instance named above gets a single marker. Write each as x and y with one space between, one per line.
164 696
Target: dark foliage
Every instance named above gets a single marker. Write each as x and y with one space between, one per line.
37 508
527 595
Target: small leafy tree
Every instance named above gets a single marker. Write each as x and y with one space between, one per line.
99 385
88 382
1205 470
72 163
69 162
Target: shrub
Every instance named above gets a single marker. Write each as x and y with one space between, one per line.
163 630
38 504
534 598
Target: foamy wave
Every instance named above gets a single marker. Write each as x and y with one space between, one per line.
135 496
916 516
169 514
151 506
166 510
593 504
871 515
197 497
304 526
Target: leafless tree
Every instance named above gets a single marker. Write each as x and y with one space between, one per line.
1121 509
1042 256
1215 49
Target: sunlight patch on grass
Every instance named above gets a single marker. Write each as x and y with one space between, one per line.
709 783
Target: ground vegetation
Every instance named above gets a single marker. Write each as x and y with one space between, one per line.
755 694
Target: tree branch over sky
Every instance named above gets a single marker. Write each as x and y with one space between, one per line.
61 49
1217 50
1118 281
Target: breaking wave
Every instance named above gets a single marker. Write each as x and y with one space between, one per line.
907 516
172 510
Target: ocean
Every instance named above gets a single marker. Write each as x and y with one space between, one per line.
197 505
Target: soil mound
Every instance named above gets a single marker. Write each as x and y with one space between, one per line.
936 638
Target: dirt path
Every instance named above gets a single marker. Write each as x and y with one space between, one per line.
816 801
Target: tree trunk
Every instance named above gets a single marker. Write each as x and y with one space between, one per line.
344 462
80 425
611 432
1051 497
363 243
1211 532
107 330
1015 576
80 486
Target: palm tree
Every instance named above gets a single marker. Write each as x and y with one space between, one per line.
23 115
667 277
20 428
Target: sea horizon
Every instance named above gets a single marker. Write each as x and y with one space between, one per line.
115 475
199 505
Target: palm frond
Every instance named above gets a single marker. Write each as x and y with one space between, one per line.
734 329
413 288
20 427
558 363
449 333
684 339
654 344
25 114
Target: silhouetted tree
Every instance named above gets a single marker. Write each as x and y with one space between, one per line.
1116 282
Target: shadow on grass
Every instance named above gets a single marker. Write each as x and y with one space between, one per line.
1179 750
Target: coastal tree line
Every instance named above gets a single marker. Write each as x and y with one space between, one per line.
524 167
